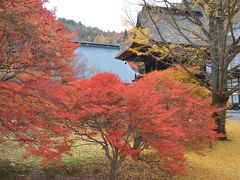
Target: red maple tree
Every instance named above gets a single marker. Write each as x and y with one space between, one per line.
124 119
44 113
34 48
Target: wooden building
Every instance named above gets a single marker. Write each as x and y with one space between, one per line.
169 34
165 19
234 79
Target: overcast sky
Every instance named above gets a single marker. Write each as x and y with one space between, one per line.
104 14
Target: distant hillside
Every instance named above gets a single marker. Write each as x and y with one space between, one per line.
86 33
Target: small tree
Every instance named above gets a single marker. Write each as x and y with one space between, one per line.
125 119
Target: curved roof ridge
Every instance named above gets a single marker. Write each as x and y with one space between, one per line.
92 43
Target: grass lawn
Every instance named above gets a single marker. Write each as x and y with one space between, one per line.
222 162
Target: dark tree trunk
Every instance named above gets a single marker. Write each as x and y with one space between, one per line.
220 117
115 165
113 172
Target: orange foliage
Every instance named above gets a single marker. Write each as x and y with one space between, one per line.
34 47
123 119
33 42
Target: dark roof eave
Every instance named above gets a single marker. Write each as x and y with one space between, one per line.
125 54
88 43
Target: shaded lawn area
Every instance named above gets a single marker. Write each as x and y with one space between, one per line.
88 162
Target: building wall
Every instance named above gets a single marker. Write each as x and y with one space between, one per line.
234 99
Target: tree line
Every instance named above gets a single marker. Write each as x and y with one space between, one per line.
95 34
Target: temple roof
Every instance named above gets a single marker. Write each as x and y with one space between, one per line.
168 20
97 44
174 26
127 55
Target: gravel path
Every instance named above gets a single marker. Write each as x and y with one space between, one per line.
233 115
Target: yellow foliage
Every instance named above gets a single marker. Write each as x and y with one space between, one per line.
178 74
192 56
221 162
139 35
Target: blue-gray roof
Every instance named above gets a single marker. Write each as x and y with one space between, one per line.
102 57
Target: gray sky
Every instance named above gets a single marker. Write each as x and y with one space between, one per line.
104 14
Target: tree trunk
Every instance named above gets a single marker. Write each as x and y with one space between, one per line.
220 117
115 164
113 172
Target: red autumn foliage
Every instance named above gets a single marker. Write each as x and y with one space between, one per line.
194 112
33 43
27 116
124 119
34 47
